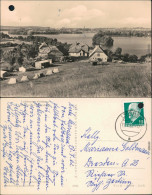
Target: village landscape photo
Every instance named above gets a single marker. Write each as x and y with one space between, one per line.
75 49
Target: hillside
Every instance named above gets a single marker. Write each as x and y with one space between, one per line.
81 79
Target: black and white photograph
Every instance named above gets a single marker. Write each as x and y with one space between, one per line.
75 49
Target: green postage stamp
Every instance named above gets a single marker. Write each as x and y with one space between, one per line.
134 114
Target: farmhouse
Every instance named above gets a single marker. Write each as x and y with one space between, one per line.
55 54
79 50
50 52
44 50
98 54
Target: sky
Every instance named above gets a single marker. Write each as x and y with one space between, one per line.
77 14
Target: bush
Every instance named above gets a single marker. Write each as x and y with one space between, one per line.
125 57
133 58
129 58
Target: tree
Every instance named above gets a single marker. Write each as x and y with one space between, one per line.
118 51
32 51
14 56
1 53
142 58
20 38
133 58
9 57
125 57
109 53
101 39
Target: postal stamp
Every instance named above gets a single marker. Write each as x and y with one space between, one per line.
134 114
131 124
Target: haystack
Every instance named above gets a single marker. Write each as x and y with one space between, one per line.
24 78
3 74
36 76
49 72
12 81
22 69
55 70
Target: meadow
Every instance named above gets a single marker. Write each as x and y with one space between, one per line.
82 79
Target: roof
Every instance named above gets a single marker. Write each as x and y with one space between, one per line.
43 61
2 72
43 45
77 47
97 49
52 48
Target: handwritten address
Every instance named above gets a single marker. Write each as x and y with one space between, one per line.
97 177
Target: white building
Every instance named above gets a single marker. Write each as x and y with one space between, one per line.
98 54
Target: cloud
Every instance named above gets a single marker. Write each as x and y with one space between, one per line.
82 11
79 10
64 22
78 15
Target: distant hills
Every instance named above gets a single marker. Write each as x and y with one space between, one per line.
3 28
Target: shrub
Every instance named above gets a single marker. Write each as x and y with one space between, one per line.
133 58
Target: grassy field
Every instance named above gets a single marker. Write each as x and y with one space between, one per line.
81 79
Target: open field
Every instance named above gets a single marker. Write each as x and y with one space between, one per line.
81 79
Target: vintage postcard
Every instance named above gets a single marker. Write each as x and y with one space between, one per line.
75 88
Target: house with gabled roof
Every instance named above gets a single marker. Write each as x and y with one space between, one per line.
79 50
97 54
50 52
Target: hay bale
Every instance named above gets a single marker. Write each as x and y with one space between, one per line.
55 70
49 72
24 78
12 81
36 76
22 69
3 74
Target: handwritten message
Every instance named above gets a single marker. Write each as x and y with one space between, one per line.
38 144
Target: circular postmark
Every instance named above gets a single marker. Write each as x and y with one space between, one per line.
130 133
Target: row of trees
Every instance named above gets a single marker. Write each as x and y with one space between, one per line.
109 32
127 33
24 54
37 40
117 54
63 47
